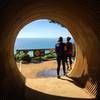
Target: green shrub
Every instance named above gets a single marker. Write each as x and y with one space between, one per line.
22 57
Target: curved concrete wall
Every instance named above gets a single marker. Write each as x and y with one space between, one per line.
80 17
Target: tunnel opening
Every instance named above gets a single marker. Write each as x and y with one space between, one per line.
40 36
79 76
46 72
77 73
39 89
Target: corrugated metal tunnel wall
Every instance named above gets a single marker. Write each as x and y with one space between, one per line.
81 17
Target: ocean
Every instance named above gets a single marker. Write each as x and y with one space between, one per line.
35 43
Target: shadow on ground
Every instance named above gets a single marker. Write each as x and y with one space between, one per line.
72 81
31 94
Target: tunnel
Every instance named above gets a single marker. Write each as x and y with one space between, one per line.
80 17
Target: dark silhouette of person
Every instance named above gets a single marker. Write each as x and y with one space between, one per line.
60 52
68 54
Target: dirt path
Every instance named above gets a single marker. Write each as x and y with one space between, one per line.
54 89
50 88
31 70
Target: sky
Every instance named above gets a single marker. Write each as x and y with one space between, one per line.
43 29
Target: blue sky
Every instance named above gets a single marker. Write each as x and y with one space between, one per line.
43 29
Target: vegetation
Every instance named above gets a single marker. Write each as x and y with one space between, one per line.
49 56
55 22
25 57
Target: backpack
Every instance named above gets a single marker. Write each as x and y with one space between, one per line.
69 48
60 49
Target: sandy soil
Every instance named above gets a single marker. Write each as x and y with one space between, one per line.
32 69
51 86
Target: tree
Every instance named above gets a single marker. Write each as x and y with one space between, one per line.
52 21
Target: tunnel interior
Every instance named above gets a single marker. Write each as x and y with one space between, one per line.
80 19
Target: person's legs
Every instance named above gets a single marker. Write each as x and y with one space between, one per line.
70 61
66 60
64 68
58 67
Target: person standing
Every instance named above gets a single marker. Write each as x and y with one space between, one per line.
60 52
69 52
